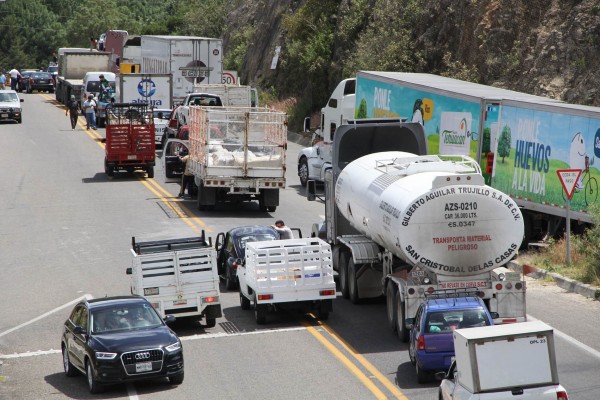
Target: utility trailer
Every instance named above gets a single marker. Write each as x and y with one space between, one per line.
292 273
130 140
178 276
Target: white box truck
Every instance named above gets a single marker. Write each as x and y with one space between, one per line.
189 59
520 140
291 273
503 362
178 276
72 67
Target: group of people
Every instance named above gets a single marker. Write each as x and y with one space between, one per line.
14 75
89 107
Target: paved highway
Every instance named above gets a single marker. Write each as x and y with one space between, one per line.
66 232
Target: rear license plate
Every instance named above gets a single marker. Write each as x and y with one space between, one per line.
4 115
179 302
143 366
132 157
43 81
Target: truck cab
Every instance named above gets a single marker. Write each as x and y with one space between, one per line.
314 161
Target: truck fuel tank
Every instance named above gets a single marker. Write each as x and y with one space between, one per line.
432 210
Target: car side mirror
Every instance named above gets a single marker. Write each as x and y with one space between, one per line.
128 271
440 375
494 315
169 319
78 330
409 322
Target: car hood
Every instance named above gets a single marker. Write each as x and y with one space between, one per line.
10 104
132 340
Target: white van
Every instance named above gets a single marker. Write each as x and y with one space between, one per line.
91 83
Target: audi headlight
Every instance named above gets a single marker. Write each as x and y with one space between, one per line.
174 347
100 355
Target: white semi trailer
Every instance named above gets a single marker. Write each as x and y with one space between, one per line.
402 224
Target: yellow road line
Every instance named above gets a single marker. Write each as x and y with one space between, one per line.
364 362
347 363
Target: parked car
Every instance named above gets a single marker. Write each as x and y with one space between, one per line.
40 81
10 106
118 339
161 120
431 345
231 249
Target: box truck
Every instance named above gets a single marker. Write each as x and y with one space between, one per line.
72 67
189 59
520 140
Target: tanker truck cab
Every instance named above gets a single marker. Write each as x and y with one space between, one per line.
314 161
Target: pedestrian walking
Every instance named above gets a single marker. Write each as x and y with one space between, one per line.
89 107
14 78
73 111
2 80
187 179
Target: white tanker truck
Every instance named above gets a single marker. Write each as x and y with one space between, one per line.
403 224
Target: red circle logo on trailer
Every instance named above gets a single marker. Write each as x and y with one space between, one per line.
195 71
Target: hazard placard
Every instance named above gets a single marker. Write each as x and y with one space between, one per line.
568 179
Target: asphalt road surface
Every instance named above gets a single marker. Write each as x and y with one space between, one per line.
66 231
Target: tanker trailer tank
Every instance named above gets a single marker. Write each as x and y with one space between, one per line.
431 211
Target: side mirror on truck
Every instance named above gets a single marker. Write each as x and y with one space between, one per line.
128 271
307 124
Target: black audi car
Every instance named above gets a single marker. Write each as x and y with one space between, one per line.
118 339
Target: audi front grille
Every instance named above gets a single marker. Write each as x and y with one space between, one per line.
130 359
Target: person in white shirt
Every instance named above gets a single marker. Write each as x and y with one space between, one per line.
14 78
284 231
89 108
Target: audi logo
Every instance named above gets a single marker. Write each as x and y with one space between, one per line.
142 356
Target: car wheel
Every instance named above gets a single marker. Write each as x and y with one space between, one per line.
244 302
303 171
150 172
176 379
69 368
422 376
93 384
343 271
260 312
229 281
353 282
20 120
271 208
392 313
411 353
211 322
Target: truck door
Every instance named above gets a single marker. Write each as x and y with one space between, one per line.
489 140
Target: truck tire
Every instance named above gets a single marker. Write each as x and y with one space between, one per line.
210 322
353 282
343 272
392 313
260 312
108 169
400 326
244 302
150 172
303 171
323 315
271 208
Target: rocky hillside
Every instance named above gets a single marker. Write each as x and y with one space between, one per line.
544 47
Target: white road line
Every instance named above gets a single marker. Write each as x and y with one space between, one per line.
183 339
131 392
85 296
571 340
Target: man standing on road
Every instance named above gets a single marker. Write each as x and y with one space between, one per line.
284 231
89 107
14 78
73 110
2 80
187 179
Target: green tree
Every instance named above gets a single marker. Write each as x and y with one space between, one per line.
362 109
485 143
504 143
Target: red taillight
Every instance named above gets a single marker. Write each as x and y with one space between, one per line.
430 289
498 286
327 292
509 320
421 343
210 299
265 296
562 395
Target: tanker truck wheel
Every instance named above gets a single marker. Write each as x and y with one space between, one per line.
353 282
392 312
343 271
400 326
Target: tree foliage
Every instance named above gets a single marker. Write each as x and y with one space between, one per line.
504 142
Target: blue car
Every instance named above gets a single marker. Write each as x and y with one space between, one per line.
431 341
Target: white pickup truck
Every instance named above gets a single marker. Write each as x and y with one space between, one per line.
178 276
292 273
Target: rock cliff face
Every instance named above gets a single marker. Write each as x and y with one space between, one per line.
544 47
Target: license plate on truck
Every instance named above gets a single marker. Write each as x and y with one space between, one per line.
143 366
132 157
4 115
